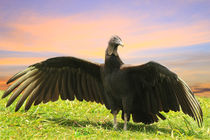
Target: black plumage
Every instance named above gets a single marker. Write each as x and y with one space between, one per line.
141 91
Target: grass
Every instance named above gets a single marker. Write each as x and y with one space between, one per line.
86 120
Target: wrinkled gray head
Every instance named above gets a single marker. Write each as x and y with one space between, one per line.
114 42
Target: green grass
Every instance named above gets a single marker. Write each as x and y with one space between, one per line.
83 120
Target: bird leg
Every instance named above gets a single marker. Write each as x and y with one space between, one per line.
115 119
125 121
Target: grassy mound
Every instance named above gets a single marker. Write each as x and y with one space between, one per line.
83 120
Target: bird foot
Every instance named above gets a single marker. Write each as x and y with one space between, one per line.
115 126
125 127
115 119
125 123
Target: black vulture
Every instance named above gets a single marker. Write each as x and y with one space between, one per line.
141 91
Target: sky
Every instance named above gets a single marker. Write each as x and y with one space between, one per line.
173 33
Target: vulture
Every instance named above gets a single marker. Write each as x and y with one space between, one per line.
141 91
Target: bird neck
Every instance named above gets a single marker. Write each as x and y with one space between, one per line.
112 62
112 49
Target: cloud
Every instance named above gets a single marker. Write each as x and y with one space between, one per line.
74 35
171 35
9 70
6 72
6 54
201 89
82 36
20 61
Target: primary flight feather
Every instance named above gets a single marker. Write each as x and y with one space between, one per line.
141 91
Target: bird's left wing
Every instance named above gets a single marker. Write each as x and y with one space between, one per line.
67 77
158 89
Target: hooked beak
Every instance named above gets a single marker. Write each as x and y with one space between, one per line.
121 44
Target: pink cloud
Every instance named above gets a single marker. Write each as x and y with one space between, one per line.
81 36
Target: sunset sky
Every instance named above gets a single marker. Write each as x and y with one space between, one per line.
173 33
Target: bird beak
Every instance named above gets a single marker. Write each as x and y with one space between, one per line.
121 44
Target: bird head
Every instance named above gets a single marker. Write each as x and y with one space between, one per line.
114 42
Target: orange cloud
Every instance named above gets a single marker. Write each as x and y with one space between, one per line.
192 76
74 35
3 85
166 36
19 61
202 89
79 36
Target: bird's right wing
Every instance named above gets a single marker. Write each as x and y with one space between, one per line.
158 89
67 77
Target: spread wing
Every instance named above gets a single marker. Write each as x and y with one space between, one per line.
158 89
67 77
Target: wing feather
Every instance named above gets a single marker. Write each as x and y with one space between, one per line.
154 105
19 74
90 90
22 87
34 94
18 82
169 92
70 87
74 82
55 93
157 97
164 98
84 88
65 77
47 88
51 89
40 96
64 83
26 93
95 91
148 103
79 92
